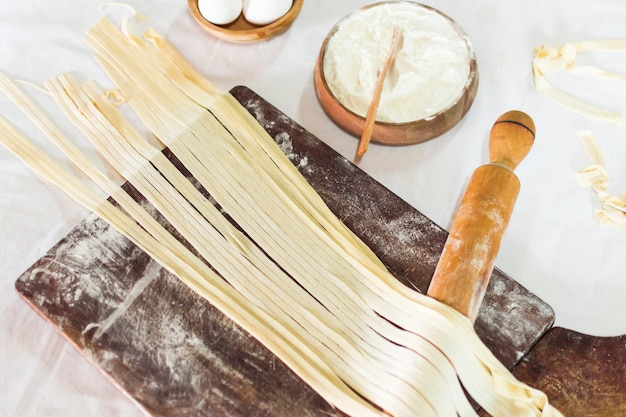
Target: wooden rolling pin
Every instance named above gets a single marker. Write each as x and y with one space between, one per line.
462 274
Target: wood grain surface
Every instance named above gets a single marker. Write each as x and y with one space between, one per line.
584 376
175 354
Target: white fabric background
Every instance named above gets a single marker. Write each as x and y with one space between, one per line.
553 246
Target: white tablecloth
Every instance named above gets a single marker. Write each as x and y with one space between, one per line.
553 246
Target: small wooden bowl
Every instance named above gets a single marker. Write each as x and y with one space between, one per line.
243 31
405 133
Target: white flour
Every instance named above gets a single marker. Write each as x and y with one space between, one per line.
430 69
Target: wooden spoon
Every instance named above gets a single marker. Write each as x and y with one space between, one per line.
370 118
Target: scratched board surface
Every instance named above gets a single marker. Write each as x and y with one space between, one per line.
176 354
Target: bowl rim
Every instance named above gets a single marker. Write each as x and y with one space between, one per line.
252 34
470 49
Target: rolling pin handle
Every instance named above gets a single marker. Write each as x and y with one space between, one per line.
511 138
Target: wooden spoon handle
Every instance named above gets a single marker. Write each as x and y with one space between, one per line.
370 118
464 269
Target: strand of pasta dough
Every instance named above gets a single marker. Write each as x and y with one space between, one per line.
612 211
548 60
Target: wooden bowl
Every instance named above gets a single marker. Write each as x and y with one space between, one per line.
243 31
405 133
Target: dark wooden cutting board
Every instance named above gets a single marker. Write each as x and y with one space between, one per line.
177 355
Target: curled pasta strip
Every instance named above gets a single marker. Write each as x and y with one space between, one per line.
612 211
549 60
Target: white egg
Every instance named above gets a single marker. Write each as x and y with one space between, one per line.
220 12
264 12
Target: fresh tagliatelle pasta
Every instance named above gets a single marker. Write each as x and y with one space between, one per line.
554 59
612 210
290 273
549 60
